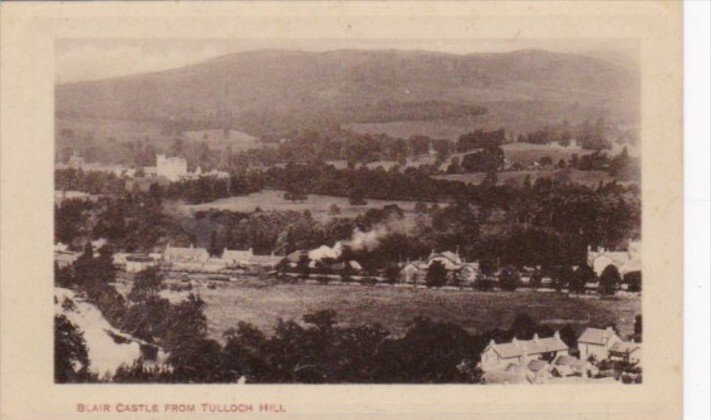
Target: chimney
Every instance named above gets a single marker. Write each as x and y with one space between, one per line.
608 329
491 343
557 334
535 336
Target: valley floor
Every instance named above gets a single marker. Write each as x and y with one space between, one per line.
395 307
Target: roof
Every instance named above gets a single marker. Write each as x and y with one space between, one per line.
518 348
139 258
233 254
451 257
624 347
67 256
570 361
596 336
265 259
185 251
536 365
295 256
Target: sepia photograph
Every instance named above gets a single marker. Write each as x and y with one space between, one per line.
336 211
343 209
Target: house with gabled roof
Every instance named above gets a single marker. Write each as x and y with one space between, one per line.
596 343
237 257
625 261
458 271
500 355
626 351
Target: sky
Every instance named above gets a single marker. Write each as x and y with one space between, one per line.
92 59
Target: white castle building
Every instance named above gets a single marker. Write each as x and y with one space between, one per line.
172 168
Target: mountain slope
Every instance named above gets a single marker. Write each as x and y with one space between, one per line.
272 89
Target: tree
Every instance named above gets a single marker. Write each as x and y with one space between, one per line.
509 278
146 284
334 210
392 272
536 279
455 166
347 271
302 266
638 328
583 274
71 357
609 279
545 161
295 193
523 327
356 197
436 275
214 248
634 281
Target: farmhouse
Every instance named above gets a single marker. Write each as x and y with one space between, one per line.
136 263
596 343
521 352
457 270
625 261
65 258
179 254
192 259
265 261
237 258
626 351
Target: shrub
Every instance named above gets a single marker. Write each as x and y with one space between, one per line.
436 275
509 279
368 281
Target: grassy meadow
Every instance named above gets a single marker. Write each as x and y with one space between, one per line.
318 205
395 307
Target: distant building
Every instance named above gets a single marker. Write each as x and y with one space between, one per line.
265 261
172 168
458 271
625 261
136 263
185 255
65 259
626 351
237 258
521 352
76 161
596 343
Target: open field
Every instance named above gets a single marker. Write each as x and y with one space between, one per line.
589 178
104 131
516 114
395 307
317 204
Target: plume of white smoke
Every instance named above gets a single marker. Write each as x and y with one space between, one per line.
364 241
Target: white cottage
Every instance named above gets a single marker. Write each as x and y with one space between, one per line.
596 343
520 352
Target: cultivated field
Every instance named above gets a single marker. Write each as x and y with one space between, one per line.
395 307
102 130
509 110
318 205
